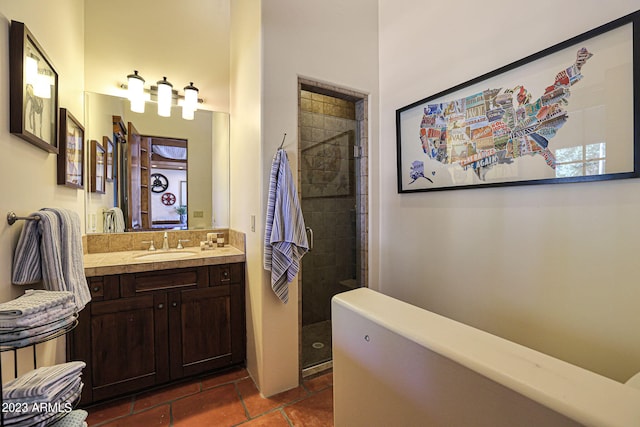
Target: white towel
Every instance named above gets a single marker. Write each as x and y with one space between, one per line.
32 302
40 318
51 250
113 220
285 240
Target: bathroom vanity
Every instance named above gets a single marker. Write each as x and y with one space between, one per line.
151 323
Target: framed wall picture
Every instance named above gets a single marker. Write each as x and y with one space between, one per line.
565 114
71 155
33 90
98 167
109 147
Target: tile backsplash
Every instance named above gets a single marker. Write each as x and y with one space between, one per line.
133 241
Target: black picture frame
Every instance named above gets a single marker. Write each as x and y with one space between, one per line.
98 167
71 155
490 131
32 76
110 148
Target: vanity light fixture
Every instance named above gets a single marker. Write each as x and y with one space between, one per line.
135 92
165 95
190 103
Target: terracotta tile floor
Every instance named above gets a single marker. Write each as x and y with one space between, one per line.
227 399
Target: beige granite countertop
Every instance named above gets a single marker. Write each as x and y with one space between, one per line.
100 264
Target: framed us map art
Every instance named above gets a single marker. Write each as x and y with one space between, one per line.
565 114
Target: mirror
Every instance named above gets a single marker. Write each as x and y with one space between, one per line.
206 180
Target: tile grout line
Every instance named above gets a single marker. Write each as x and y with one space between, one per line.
200 383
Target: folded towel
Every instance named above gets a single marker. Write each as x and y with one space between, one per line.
43 413
23 337
42 384
72 419
38 319
285 235
51 250
33 301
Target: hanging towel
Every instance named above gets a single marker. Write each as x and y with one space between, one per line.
51 250
113 220
285 241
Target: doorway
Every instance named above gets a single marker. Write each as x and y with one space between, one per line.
332 182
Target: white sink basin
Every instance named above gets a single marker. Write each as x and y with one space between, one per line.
164 256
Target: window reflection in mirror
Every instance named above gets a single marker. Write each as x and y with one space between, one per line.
206 179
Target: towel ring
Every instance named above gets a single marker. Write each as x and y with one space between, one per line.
12 218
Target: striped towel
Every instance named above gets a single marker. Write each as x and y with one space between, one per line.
285 240
113 221
51 250
41 414
42 384
23 337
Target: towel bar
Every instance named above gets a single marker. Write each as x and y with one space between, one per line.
12 218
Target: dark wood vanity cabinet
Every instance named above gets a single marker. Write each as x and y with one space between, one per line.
145 329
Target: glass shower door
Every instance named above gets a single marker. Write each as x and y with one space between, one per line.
329 205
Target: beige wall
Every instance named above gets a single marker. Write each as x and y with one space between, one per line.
552 267
28 173
334 42
186 41
245 152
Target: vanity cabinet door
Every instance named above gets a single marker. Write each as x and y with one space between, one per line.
199 330
128 344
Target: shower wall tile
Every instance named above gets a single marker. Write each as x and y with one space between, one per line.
336 254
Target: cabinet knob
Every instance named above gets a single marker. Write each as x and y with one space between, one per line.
174 304
160 306
96 288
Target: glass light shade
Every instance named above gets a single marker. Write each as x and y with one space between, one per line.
137 105
191 96
31 68
135 87
187 113
164 97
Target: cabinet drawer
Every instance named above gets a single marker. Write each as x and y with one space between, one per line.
136 283
225 274
104 287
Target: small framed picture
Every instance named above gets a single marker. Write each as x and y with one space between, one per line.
33 90
98 167
71 155
108 145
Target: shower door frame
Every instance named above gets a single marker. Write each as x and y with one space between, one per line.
361 151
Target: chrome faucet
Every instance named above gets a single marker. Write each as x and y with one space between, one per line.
165 242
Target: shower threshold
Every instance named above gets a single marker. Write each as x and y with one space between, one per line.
316 369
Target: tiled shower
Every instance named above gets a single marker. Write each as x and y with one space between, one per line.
329 196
